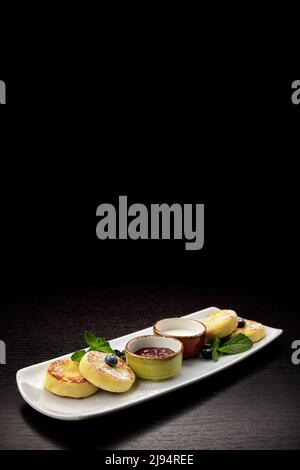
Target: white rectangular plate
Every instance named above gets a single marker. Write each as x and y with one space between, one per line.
30 381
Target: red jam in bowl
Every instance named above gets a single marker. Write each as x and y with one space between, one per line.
154 352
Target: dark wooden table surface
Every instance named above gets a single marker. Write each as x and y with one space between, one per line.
253 405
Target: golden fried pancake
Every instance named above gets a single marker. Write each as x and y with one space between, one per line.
118 378
255 331
220 323
63 378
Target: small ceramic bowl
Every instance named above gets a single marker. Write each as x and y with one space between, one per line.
154 368
190 332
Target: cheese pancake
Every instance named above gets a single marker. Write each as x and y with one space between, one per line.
63 378
118 378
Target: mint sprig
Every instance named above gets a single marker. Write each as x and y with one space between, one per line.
95 343
235 345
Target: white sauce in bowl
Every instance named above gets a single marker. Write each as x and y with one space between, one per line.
179 332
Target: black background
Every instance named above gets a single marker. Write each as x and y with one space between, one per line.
72 142
230 143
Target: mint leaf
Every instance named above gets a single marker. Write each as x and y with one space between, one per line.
97 344
215 355
104 346
236 345
78 355
215 344
90 339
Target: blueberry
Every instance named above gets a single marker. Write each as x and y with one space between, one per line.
123 358
117 352
123 352
111 360
241 322
207 352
